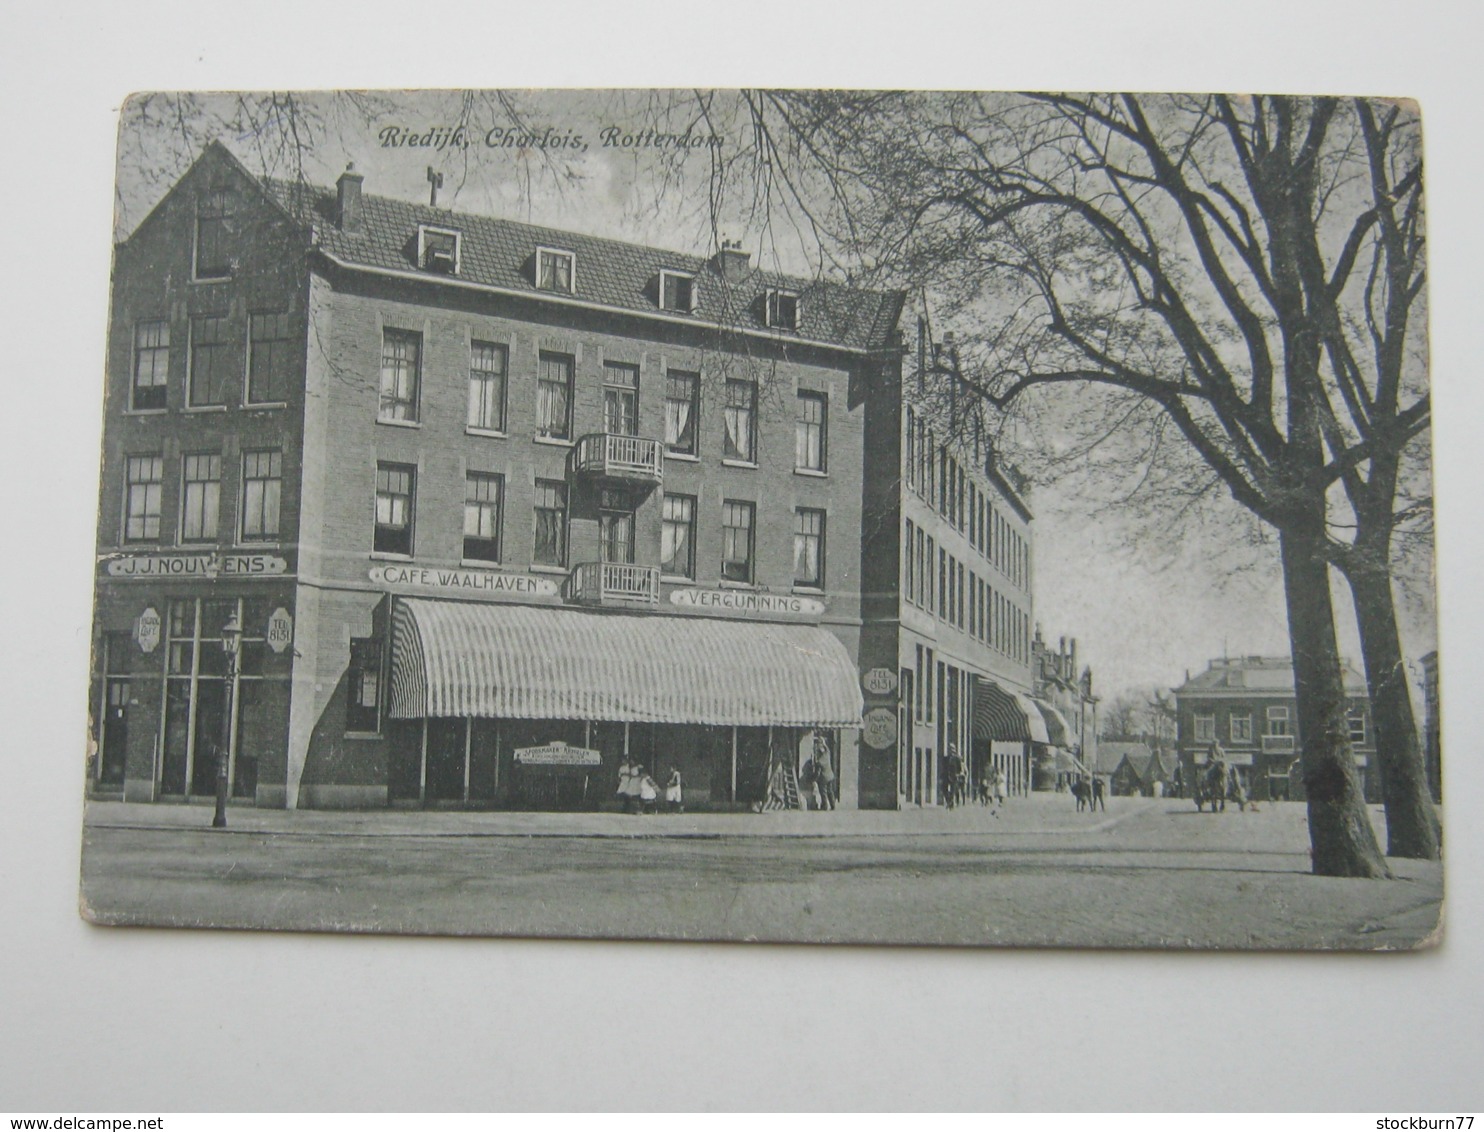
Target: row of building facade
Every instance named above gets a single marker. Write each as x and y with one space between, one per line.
498 508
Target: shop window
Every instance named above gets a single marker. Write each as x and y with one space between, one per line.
682 391
783 309
151 364
1241 727
488 366
736 541
809 548
483 501
262 489
556 270
740 417
550 512
211 360
363 687
401 375
143 483
1205 729
677 291
621 399
200 496
270 357
395 487
213 235
678 536
809 432
554 396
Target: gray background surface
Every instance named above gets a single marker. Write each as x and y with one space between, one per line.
99 1020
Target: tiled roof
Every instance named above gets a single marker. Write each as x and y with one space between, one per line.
609 273
1110 754
1259 674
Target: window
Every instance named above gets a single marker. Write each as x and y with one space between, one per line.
1277 721
911 450
681 410
809 548
551 523
1205 729
438 250
556 270
809 432
677 291
262 485
783 310
395 484
621 399
736 541
270 358
213 229
487 370
483 496
740 419
1356 719
200 496
211 360
554 396
143 481
927 576
363 686
678 536
151 364
1241 727
401 365
909 573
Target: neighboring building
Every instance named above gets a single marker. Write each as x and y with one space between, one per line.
1248 704
1063 693
947 604
1134 768
1432 726
497 507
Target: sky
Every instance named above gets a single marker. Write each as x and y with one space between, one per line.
1143 615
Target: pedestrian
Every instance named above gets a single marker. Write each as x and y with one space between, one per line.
999 785
824 774
649 790
674 792
1099 790
953 777
628 785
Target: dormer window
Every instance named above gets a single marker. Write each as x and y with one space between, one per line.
438 250
556 270
783 310
677 291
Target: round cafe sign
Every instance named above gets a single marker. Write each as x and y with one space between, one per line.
880 729
147 630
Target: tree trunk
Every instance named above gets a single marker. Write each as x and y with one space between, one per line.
1340 835
1411 821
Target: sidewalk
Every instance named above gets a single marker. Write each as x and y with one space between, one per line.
1037 814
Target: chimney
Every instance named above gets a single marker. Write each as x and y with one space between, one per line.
348 203
732 262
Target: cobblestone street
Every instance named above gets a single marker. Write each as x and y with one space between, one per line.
1149 872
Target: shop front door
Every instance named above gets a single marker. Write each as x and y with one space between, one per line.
113 752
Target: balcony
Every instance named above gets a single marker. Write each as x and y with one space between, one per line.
613 584
620 459
1277 745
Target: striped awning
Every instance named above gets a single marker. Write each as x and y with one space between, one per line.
528 662
1056 724
1006 715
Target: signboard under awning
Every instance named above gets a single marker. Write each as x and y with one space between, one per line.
557 754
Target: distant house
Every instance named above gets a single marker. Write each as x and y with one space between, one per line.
1248 704
1136 769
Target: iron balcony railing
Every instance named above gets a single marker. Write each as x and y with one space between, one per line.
613 583
1277 744
612 456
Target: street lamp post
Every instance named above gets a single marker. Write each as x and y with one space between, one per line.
231 646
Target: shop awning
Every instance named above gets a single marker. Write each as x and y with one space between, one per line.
1005 715
535 662
1056 724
